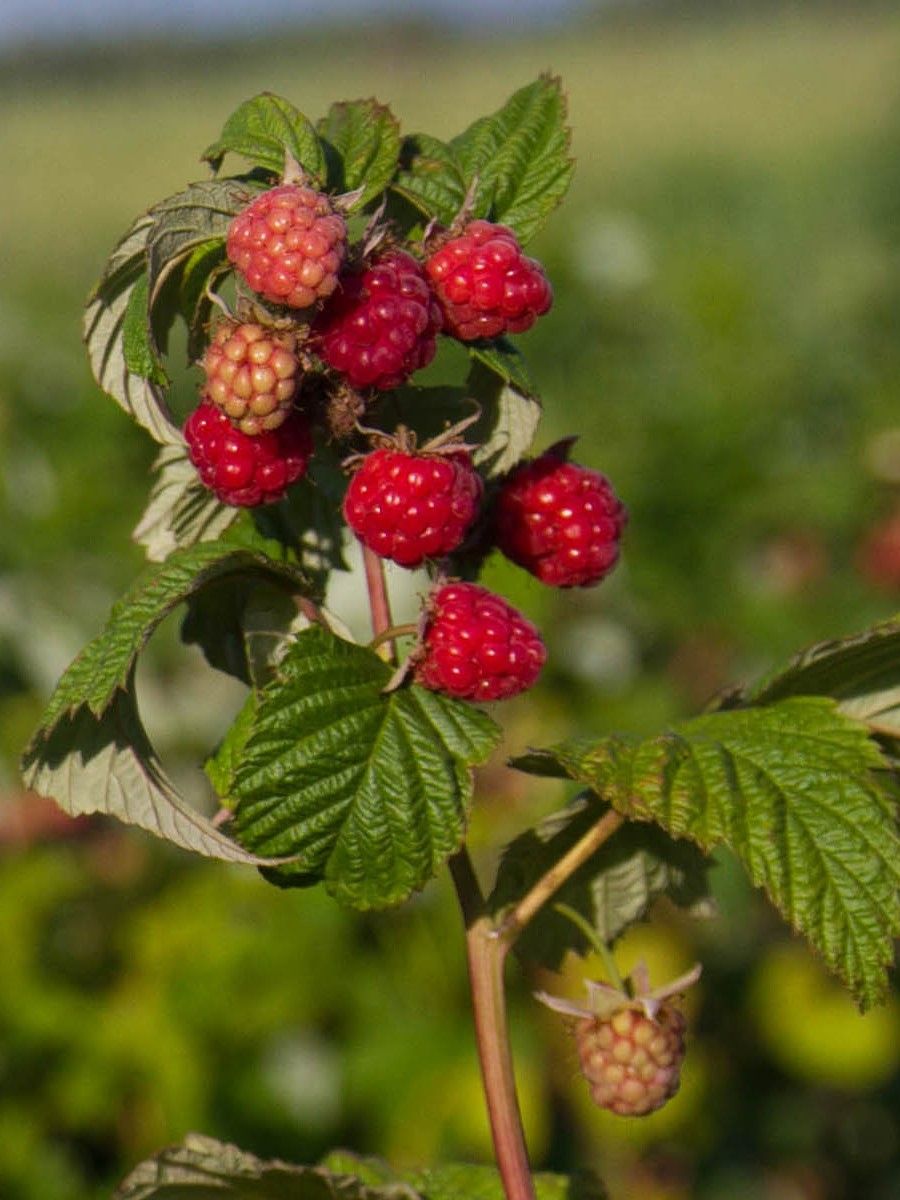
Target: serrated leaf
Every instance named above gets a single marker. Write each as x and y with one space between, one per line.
361 140
520 157
791 788
612 890
220 767
197 217
262 129
104 334
862 673
202 267
430 178
365 791
180 512
508 423
105 663
105 764
141 357
506 361
202 1168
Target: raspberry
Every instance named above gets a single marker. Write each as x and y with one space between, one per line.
560 521
382 325
289 245
244 470
476 646
409 507
632 1061
486 285
252 375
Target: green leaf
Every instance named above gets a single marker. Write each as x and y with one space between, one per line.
141 356
361 140
465 1181
520 157
262 129
505 361
612 890
104 763
791 787
200 270
509 419
368 792
220 767
430 177
196 218
862 673
180 512
108 308
202 1168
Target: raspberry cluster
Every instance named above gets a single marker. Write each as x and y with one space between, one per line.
349 324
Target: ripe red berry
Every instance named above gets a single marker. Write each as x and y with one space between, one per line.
409 507
486 285
632 1061
560 521
382 324
252 374
289 245
476 646
244 470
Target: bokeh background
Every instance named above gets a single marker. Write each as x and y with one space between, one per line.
725 340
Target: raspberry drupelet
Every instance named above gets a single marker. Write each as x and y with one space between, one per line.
252 375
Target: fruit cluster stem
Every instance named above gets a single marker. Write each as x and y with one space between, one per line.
486 955
379 605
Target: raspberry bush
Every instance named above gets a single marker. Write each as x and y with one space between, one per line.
345 256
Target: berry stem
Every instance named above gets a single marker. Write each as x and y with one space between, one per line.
596 943
486 955
553 880
379 605
395 631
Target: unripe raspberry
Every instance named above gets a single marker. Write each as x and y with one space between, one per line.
476 646
382 324
631 1061
289 245
560 521
243 470
409 507
252 375
486 285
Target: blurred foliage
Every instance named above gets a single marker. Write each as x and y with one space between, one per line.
725 339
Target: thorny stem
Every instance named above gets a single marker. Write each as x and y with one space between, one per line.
379 605
486 954
516 920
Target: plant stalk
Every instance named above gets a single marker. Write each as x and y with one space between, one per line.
379 605
549 883
486 955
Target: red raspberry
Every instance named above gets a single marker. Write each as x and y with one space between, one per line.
289 245
244 470
476 646
486 285
560 521
409 507
632 1061
252 375
382 325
